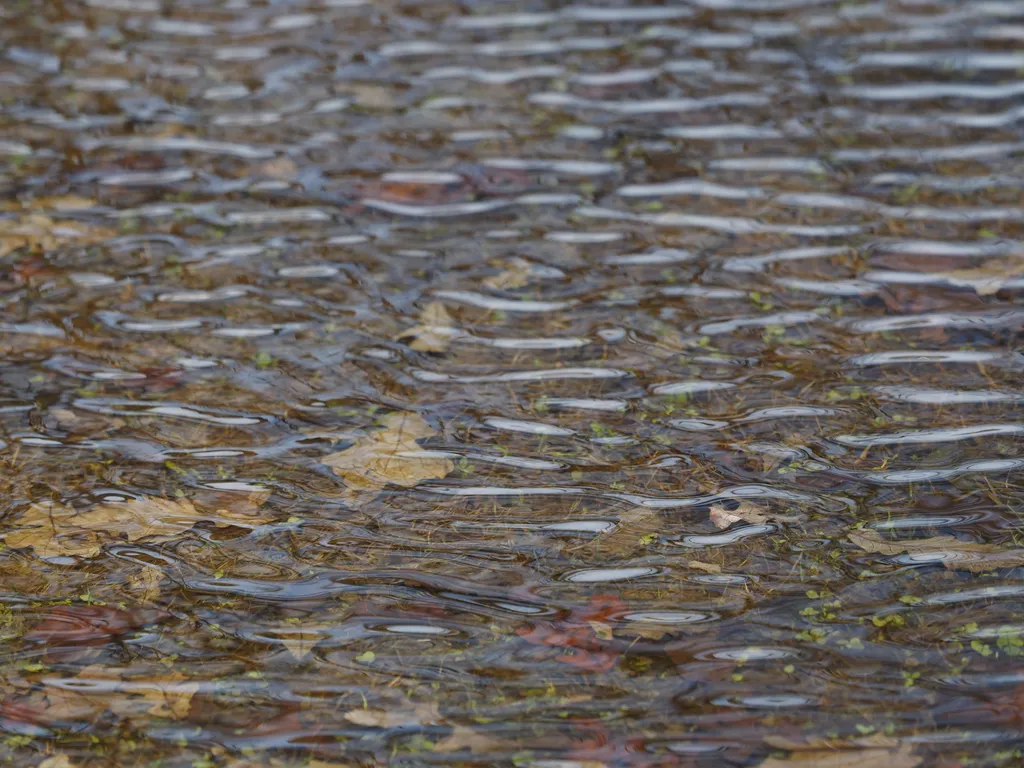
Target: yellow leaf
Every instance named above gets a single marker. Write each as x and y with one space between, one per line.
390 456
435 331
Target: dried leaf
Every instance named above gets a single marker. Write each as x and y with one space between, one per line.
515 275
423 714
145 586
745 512
390 456
435 331
279 168
299 641
463 738
55 530
706 567
855 758
990 277
874 741
634 531
34 230
169 696
58 761
957 555
47 528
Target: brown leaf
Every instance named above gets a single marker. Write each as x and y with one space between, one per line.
854 758
706 567
298 640
515 275
463 738
958 555
47 528
874 741
145 585
390 456
990 277
423 713
34 230
151 517
168 695
746 512
56 530
633 532
58 761
435 331
279 168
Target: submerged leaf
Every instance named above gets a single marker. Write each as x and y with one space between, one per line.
463 738
515 275
990 277
423 714
390 456
745 512
36 231
903 757
55 530
47 528
435 331
958 555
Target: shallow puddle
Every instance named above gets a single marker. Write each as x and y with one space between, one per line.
511 384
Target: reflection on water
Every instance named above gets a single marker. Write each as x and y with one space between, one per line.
545 384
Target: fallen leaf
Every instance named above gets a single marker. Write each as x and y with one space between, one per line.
299 641
34 230
706 567
874 741
168 696
47 528
71 625
959 555
145 586
152 517
54 530
279 168
390 456
435 331
854 758
990 277
58 761
871 541
633 532
56 203
745 512
463 738
422 714
515 275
